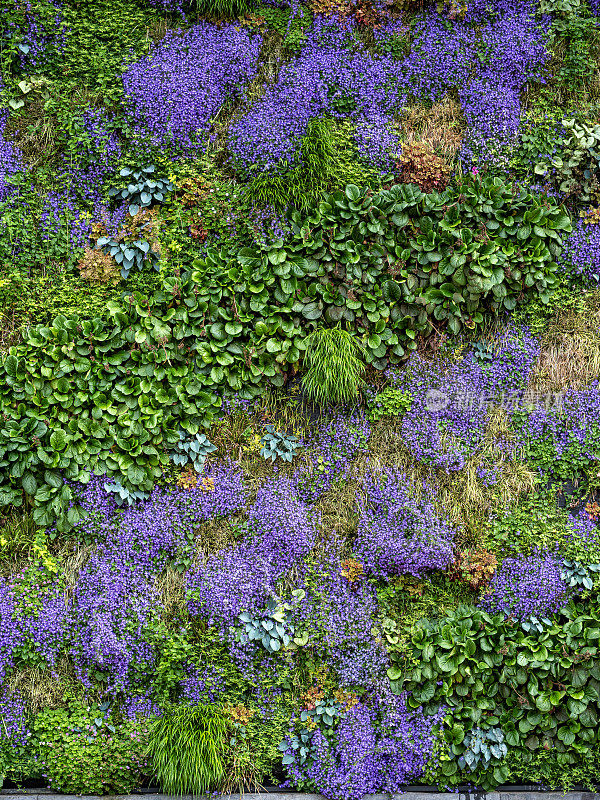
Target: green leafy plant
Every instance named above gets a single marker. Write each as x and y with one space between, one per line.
390 402
576 169
142 190
576 574
539 683
187 749
129 254
334 366
535 625
278 444
192 450
112 403
84 749
329 160
110 394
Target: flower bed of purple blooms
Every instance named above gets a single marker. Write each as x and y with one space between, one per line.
104 616
348 591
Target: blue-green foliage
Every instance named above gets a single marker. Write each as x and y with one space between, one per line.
143 190
576 574
279 444
124 495
273 630
483 352
129 254
324 715
192 449
535 625
482 746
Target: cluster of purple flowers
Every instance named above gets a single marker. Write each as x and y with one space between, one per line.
202 685
331 75
175 93
280 532
377 746
569 426
580 256
339 614
527 586
450 403
332 450
397 533
10 157
33 620
104 617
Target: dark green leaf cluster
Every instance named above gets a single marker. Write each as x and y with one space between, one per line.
107 396
575 170
110 395
389 265
540 686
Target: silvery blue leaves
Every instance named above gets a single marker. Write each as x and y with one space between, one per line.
279 444
142 191
273 630
482 747
124 495
128 254
535 625
192 449
575 574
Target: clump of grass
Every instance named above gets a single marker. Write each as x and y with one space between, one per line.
329 160
570 356
440 127
334 366
187 749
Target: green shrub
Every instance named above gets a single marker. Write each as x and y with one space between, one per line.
113 401
329 160
187 749
575 170
389 403
334 366
541 688
536 523
110 394
83 750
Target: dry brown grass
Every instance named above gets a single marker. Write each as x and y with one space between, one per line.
440 127
45 688
170 588
570 356
10 329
